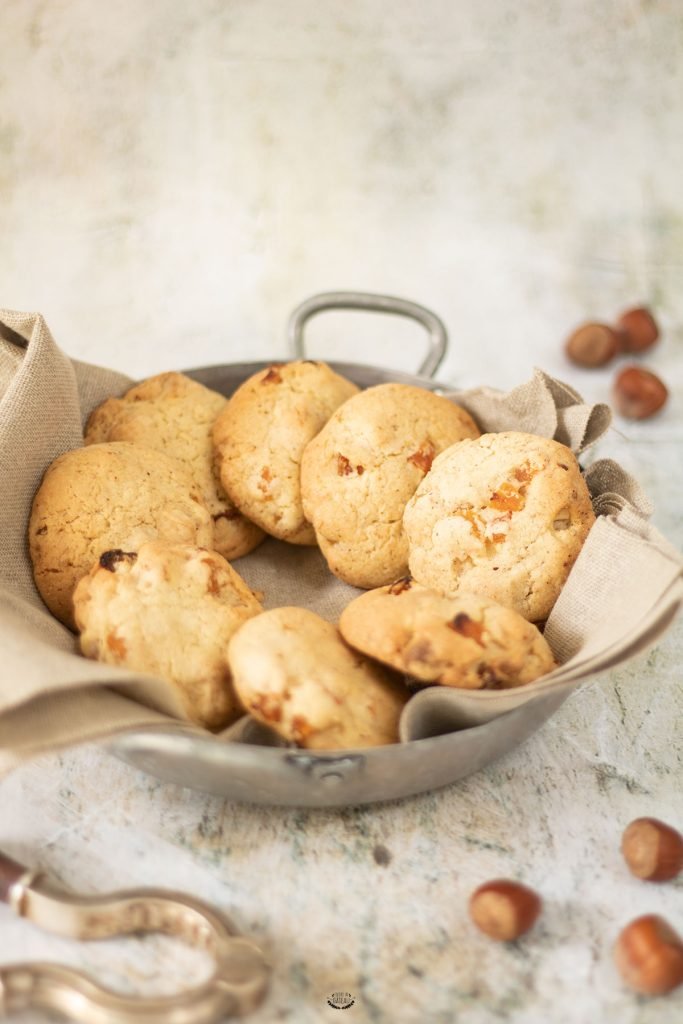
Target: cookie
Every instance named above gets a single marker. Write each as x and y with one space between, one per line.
261 434
504 516
467 641
292 671
174 414
105 496
361 469
168 610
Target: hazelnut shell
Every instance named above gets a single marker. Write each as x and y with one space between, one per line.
649 956
592 345
638 393
637 329
504 909
652 849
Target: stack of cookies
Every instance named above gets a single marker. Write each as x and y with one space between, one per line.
461 541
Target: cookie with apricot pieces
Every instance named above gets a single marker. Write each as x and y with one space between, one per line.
174 414
467 641
504 516
362 468
293 671
168 610
261 434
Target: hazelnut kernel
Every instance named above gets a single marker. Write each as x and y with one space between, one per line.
652 849
592 345
504 909
649 956
638 393
637 329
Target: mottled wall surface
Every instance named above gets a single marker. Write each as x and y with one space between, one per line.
176 177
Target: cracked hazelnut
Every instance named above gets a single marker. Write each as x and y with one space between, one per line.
504 909
637 330
652 849
592 345
649 956
638 393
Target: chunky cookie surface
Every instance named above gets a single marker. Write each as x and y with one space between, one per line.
168 611
105 496
467 641
293 672
261 434
504 516
362 468
174 414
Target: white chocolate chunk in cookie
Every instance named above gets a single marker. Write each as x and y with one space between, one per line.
467 641
168 611
293 672
504 516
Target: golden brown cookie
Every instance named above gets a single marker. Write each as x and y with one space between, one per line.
105 496
364 465
467 641
504 516
168 610
174 414
292 671
261 434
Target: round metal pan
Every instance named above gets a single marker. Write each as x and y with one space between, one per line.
254 773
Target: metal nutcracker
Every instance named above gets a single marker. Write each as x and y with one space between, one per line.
237 985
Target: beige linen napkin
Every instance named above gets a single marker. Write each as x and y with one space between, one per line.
622 592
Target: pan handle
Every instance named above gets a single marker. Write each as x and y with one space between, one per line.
438 337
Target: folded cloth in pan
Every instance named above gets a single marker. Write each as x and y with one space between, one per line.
622 591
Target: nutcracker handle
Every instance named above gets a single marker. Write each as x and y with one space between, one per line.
11 874
238 983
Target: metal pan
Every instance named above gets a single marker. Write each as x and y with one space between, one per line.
253 773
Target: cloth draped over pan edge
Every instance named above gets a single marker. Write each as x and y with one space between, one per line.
51 697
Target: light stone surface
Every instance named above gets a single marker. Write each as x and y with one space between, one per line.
174 179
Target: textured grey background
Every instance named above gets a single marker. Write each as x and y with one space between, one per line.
176 177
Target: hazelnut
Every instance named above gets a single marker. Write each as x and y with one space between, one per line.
504 909
649 956
592 345
652 849
638 393
637 330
